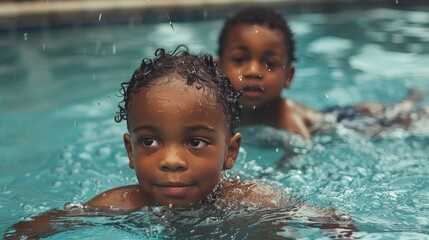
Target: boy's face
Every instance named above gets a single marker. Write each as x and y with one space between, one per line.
255 59
178 143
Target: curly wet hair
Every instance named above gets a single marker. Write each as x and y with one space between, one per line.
260 16
199 71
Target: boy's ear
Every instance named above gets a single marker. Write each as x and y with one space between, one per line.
233 150
289 77
129 147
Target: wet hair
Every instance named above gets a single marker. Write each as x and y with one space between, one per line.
199 71
260 16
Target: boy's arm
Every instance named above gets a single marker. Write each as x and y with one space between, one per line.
46 224
56 221
331 221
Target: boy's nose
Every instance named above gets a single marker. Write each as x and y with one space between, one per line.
172 161
253 71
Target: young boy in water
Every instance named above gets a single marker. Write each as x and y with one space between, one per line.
181 113
257 51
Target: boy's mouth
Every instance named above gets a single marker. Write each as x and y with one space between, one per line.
175 189
252 91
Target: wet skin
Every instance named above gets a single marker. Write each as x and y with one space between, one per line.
178 147
255 59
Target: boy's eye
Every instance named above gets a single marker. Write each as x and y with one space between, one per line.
149 142
197 143
271 64
238 59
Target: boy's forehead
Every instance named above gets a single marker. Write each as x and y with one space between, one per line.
175 93
255 29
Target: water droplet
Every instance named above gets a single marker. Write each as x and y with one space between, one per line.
326 95
125 195
256 31
28 134
171 24
254 107
104 194
99 16
57 183
44 46
277 149
114 49
25 36
240 78
170 205
397 2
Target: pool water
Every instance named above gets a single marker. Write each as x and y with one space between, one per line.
59 143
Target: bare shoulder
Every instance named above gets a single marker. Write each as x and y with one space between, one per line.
252 194
304 110
124 198
310 116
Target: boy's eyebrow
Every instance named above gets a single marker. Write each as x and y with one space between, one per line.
199 127
270 53
241 47
145 127
187 129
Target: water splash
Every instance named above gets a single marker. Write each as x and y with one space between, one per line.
171 24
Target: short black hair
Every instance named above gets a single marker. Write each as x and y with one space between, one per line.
262 16
198 70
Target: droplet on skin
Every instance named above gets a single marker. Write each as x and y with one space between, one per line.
125 195
240 78
170 205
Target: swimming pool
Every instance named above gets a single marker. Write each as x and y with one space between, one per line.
59 142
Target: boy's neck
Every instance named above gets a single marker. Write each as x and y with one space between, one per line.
267 115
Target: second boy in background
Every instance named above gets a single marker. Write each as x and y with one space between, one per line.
256 50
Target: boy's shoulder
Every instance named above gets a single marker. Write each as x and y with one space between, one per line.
309 115
124 198
251 194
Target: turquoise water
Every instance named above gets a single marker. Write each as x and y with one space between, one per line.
59 143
